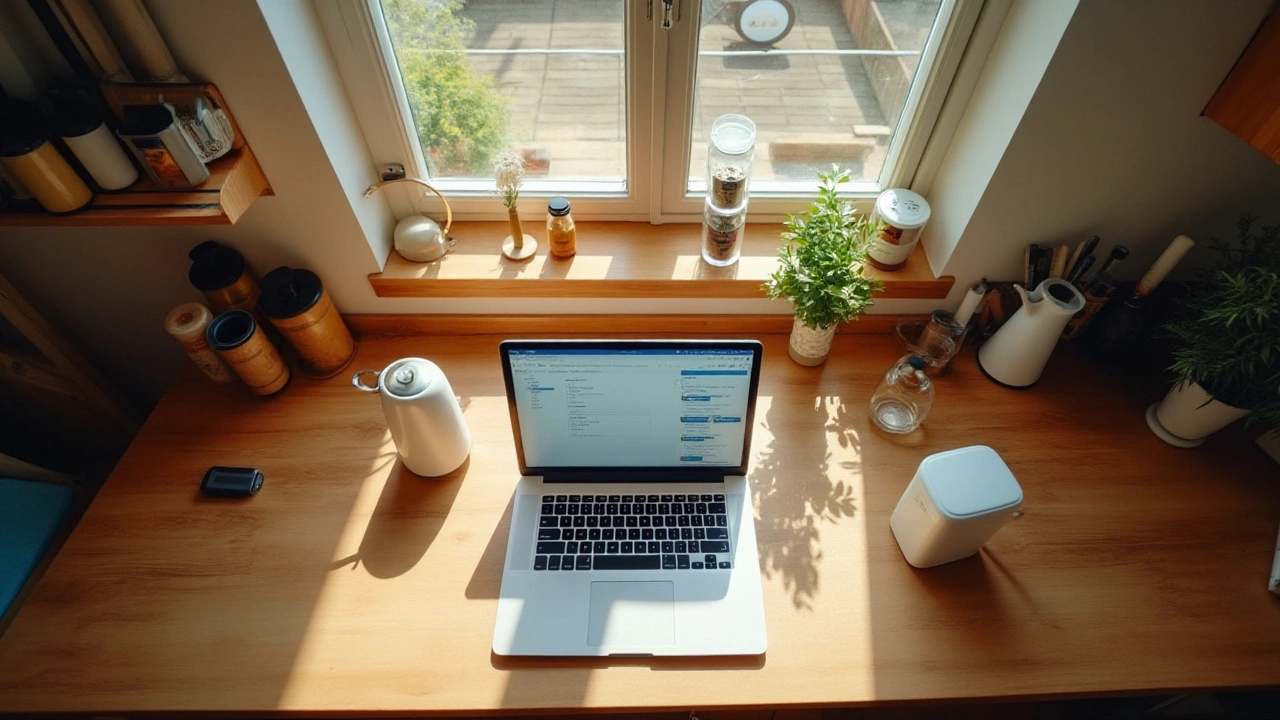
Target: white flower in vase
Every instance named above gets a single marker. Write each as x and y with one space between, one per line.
508 175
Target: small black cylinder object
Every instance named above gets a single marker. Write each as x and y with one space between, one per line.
287 292
214 266
230 330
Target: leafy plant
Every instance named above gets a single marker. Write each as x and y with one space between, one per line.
1228 326
461 118
821 265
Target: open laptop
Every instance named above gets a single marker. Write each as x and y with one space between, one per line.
632 532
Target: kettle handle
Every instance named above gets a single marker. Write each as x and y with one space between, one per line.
358 384
448 211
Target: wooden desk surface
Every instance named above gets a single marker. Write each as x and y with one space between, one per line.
349 585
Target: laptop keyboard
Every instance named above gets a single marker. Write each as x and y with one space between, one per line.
633 532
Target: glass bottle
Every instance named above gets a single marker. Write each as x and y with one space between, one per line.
730 159
903 398
562 237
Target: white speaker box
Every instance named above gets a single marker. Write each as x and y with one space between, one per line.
957 500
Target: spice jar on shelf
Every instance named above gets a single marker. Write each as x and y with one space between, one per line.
562 236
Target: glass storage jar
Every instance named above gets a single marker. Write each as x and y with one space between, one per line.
730 160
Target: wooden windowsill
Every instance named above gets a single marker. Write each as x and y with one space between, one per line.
616 260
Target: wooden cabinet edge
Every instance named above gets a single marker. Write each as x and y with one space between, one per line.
1247 103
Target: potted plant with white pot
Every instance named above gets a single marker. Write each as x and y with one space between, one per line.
1226 362
822 269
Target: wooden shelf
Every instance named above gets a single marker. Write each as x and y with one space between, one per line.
235 182
615 259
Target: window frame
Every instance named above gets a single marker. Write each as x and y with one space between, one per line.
659 66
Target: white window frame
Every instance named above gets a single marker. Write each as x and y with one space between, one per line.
659 73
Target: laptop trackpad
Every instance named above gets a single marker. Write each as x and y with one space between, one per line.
632 613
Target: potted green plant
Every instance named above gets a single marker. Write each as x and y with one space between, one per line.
822 269
1226 362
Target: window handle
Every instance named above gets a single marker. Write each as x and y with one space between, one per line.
667 6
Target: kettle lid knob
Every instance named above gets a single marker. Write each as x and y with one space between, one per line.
408 377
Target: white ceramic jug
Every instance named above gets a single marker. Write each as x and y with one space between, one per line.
1017 353
423 415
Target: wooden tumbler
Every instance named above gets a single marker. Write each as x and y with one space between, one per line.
241 343
296 303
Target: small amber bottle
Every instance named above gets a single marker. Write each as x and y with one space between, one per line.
562 237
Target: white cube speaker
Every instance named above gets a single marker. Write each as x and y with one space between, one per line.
957 500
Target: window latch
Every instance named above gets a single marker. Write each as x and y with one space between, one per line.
667 7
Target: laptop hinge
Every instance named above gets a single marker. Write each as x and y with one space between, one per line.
613 475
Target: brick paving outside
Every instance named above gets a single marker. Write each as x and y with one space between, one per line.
572 106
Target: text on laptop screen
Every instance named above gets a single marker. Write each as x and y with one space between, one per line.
604 407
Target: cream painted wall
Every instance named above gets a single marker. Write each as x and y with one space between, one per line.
1062 173
1113 143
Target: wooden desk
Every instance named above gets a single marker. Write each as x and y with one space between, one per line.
350 586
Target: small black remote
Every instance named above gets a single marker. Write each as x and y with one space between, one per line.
222 481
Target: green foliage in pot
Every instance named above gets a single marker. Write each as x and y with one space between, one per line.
1227 328
821 265
462 120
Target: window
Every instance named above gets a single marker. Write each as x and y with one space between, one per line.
611 108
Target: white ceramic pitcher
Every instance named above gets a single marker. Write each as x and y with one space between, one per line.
1017 353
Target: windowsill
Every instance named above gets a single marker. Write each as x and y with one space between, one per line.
616 260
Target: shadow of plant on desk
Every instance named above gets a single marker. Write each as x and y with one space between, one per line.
793 494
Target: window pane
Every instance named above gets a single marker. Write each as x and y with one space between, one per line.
831 89
542 77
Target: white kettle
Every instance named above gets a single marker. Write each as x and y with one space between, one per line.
1017 353
423 415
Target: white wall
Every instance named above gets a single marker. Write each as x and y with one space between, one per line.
1111 142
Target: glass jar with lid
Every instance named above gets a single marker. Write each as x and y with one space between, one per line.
730 160
904 397
721 235
562 236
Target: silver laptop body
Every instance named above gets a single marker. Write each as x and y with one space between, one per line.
632 531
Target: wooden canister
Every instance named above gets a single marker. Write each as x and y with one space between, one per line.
220 273
239 340
187 324
299 307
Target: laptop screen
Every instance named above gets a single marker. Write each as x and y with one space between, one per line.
631 404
